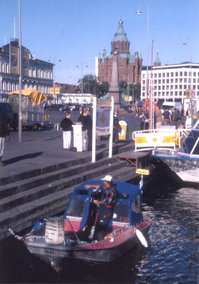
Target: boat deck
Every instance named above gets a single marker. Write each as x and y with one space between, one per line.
136 159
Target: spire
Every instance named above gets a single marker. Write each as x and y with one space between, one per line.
157 60
120 35
120 41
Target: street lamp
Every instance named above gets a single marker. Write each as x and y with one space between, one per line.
20 76
148 93
82 77
54 62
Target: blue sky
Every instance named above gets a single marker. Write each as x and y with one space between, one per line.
76 31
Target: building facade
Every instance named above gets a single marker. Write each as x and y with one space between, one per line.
171 82
129 66
36 73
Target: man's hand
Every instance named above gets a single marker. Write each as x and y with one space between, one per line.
96 202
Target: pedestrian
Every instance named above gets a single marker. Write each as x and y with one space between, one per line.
175 116
158 117
66 125
166 117
3 134
116 128
105 203
86 121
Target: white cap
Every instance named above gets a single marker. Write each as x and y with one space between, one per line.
107 178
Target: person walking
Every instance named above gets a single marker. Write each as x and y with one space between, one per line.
66 125
3 134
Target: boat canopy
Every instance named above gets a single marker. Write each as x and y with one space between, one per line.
127 208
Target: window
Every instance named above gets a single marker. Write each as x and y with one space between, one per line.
121 213
75 208
136 205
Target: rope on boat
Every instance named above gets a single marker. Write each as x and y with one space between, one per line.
16 236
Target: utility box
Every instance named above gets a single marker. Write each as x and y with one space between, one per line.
123 132
77 137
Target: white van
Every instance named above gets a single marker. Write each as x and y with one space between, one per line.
170 106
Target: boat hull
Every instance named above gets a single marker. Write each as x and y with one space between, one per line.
108 250
185 166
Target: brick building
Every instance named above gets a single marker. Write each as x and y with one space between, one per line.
129 65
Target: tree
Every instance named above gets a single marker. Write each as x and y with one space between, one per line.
91 85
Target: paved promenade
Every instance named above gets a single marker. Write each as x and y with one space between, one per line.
38 149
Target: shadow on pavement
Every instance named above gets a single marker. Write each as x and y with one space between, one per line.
23 157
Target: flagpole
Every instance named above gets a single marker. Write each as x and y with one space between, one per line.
94 129
111 129
20 76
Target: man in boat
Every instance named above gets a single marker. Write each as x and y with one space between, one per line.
105 204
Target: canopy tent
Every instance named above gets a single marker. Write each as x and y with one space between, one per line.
35 96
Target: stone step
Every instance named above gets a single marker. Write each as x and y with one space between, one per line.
13 178
40 171
48 183
14 188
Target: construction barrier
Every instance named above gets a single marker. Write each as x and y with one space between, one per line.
157 138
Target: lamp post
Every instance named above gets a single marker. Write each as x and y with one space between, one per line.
20 76
82 77
54 62
149 91
190 90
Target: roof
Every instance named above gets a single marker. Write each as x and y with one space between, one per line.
120 35
126 188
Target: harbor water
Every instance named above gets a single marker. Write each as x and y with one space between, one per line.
172 256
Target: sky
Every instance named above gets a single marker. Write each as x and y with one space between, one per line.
72 33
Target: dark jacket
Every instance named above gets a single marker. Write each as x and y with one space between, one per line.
86 122
3 126
66 124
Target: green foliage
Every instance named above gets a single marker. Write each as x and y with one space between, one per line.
92 86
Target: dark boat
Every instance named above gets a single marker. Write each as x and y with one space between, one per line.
59 238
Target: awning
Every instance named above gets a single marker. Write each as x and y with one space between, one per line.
36 97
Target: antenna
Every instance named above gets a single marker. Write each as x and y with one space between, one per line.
14 27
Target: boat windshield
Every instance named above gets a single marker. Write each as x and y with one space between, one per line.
75 208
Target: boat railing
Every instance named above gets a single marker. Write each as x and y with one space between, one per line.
159 138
